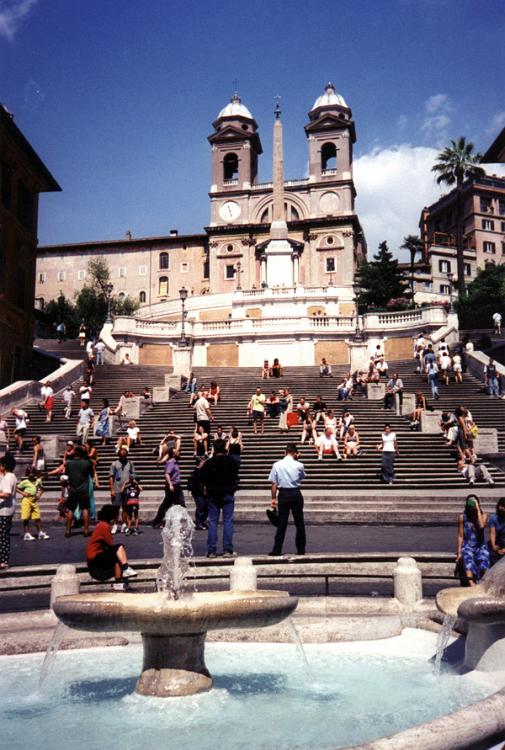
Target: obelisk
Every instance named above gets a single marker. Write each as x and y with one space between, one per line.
278 251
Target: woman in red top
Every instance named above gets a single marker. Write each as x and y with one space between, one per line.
106 559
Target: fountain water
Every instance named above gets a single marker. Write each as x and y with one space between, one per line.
174 629
442 641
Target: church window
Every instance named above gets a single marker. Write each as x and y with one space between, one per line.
229 248
206 269
328 158
163 261
330 265
230 167
163 286
142 297
295 216
229 272
264 218
330 240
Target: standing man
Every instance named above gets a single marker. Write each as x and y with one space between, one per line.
432 374
85 422
497 323
491 378
286 476
203 413
256 408
100 353
219 477
79 471
174 494
121 472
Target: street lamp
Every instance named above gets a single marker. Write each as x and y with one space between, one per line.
452 279
108 292
358 335
183 295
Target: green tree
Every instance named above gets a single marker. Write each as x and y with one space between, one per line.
485 296
414 244
455 164
98 275
381 281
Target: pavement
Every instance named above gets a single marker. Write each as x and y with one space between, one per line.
249 539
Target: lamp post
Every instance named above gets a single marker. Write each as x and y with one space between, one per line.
358 335
452 279
183 294
108 291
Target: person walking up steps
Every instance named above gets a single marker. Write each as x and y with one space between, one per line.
286 477
219 476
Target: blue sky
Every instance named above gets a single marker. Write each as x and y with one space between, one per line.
118 97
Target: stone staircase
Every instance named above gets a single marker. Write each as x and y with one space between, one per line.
428 488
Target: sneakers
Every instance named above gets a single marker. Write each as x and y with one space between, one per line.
229 553
28 537
129 572
127 532
124 528
135 532
43 535
211 554
119 586
114 529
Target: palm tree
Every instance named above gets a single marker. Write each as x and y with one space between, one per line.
455 164
414 244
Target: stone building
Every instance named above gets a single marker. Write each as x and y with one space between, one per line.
22 177
483 233
325 235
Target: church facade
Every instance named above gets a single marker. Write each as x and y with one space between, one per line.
323 231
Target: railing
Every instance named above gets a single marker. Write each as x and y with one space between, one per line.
328 172
287 183
409 316
230 182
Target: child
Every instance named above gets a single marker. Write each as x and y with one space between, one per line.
62 502
68 395
131 505
31 491
106 559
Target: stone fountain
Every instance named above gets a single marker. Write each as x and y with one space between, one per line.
482 607
172 621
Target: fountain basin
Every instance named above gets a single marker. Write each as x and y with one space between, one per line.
173 631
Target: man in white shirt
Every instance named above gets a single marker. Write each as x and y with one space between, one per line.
497 323
203 414
21 418
86 417
100 353
286 477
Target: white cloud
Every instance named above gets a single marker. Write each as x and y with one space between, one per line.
435 125
12 13
402 122
496 124
393 185
438 102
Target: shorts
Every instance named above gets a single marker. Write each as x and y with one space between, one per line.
77 500
132 510
30 510
21 431
101 567
258 416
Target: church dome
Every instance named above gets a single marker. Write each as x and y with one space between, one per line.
330 98
235 108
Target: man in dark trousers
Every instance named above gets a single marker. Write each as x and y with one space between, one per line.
219 477
286 476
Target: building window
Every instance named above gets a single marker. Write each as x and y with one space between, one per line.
428 286
489 247
206 268
184 267
444 266
485 205
230 167
5 184
488 224
81 275
42 277
142 297
61 275
503 226
445 289
163 286
468 269
229 272
329 158
265 216
122 272
229 248
501 207
330 265
163 261
142 270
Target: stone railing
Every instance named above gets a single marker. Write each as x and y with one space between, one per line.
427 316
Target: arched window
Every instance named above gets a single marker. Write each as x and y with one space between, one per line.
230 167
142 297
265 216
163 286
163 261
328 157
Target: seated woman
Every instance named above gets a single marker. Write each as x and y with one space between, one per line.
327 444
415 417
171 440
273 405
200 441
308 429
351 442
373 373
104 558
473 552
214 393
344 423
276 369
265 371
131 438
330 420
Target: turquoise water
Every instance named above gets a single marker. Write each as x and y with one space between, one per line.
262 700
